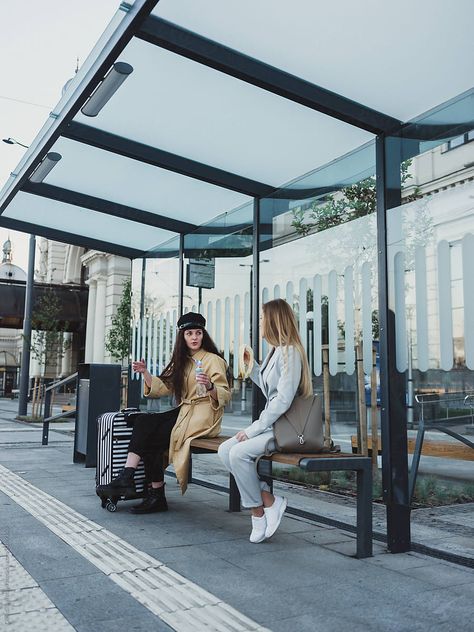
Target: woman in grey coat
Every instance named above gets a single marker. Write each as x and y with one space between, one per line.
283 374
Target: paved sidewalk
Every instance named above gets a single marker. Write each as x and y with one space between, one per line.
194 566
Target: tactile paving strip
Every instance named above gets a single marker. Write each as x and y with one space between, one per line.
183 605
23 605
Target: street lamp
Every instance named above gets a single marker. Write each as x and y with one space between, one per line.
12 141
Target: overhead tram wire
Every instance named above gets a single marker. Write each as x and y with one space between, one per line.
37 105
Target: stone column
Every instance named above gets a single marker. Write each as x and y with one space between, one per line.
99 317
67 357
90 320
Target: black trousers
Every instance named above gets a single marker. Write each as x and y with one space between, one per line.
150 440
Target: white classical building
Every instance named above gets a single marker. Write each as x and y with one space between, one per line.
10 339
59 263
104 274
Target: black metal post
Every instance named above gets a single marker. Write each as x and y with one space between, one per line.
25 356
181 275
134 386
364 510
258 400
251 305
48 393
392 383
142 291
257 397
234 495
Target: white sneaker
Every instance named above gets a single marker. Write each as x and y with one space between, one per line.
274 514
259 526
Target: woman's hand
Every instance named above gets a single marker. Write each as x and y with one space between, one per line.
246 357
241 436
139 366
203 378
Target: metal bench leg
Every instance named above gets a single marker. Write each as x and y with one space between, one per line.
45 436
234 495
420 435
265 472
190 468
364 512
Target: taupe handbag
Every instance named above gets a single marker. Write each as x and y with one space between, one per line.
300 429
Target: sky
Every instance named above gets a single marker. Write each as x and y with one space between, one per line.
39 45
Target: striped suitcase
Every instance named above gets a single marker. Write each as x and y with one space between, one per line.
113 438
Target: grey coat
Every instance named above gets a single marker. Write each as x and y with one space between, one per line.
279 381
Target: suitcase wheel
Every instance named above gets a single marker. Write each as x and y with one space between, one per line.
103 503
110 505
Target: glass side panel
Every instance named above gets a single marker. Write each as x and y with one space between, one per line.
183 107
154 317
81 221
431 249
319 253
387 47
112 177
217 282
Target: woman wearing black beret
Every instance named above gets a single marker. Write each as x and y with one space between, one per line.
198 416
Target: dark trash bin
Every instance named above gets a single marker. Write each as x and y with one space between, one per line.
98 392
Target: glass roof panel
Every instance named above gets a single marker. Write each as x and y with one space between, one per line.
113 177
401 58
80 221
229 234
188 109
345 170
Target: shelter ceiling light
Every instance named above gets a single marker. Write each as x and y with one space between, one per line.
106 88
45 166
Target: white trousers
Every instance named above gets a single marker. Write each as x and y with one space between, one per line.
239 457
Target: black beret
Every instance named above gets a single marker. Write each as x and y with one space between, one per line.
192 320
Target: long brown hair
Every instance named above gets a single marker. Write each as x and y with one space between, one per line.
173 373
280 329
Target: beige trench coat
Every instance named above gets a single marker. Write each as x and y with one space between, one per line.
199 416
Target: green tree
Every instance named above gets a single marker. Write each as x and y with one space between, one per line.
48 345
356 200
118 338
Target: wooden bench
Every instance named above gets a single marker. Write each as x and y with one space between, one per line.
311 463
430 447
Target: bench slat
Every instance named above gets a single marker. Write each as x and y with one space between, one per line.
212 444
431 447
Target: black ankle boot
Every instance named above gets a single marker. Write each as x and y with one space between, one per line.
155 501
122 485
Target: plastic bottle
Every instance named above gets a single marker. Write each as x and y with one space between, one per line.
201 390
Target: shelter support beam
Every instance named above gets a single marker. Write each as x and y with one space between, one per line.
71 238
164 159
106 206
392 383
172 37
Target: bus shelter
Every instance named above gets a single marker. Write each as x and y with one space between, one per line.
282 138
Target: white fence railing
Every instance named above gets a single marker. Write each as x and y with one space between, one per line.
338 310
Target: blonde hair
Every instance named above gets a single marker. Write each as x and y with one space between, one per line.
280 329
